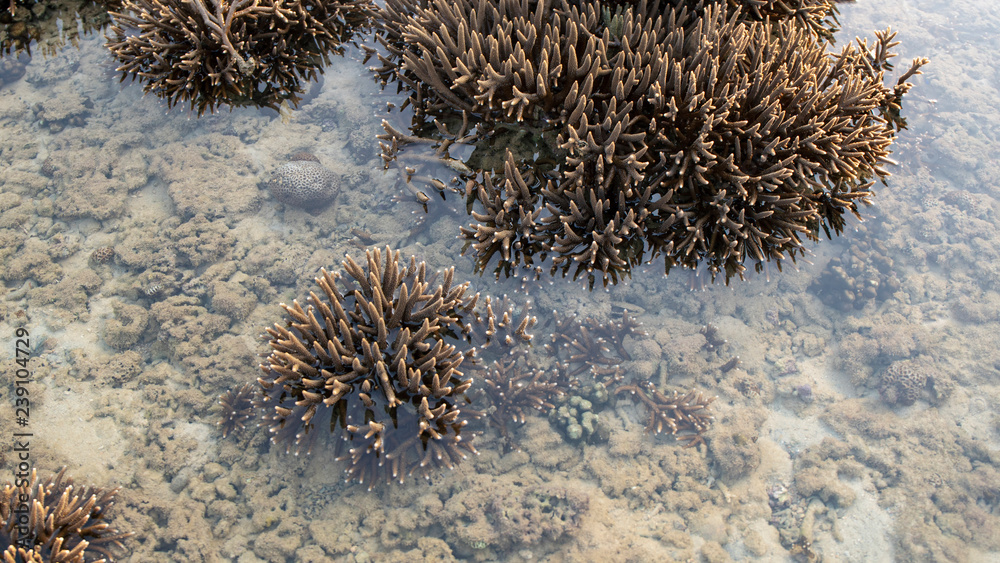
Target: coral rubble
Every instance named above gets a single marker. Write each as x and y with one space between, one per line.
697 134
55 520
375 358
236 53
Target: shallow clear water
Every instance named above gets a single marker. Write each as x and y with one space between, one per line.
806 456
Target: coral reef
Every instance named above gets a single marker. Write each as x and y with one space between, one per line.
685 416
702 136
236 53
375 359
236 406
55 520
304 182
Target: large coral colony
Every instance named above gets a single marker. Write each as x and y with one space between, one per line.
709 133
703 132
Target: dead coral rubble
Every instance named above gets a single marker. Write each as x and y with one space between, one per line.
237 53
697 134
55 520
376 358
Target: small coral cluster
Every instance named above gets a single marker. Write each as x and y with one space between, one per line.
590 347
574 413
230 52
384 356
512 387
902 383
236 406
376 358
689 130
685 416
57 521
304 182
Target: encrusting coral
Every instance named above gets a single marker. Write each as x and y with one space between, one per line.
231 52
375 359
689 131
57 521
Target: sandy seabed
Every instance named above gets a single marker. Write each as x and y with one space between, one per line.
813 454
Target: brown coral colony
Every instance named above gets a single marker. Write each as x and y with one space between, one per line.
374 358
56 520
237 53
691 131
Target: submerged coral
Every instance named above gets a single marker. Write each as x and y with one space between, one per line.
699 135
575 414
55 520
685 416
240 52
375 359
237 408
103 255
902 383
513 386
304 182
591 347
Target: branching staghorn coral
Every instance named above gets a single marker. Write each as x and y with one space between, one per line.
231 52
512 386
55 520
591 347
700 135
686 417
376 359
236 408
